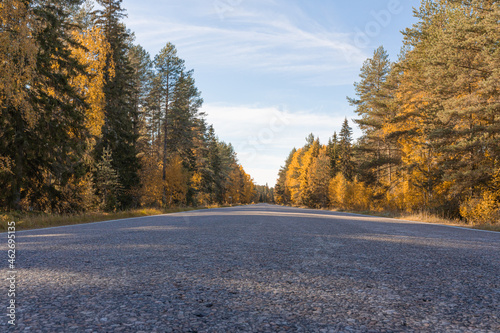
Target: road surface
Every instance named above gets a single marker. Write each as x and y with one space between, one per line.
257 268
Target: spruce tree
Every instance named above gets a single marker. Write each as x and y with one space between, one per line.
346 165
281 192
44 135
333 154
107 182
215 177
119 131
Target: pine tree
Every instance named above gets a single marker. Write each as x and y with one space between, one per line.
346 165
169 68
142 76
183 118
374 107
141 64
448 114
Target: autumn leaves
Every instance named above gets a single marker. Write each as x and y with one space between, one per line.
430 124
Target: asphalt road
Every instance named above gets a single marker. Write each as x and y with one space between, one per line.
255 268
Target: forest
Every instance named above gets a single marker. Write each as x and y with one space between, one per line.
430 124
91 122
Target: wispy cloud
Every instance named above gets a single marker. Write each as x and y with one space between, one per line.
257 43
272 38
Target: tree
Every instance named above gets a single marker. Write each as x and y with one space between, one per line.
281 192
92 52
119 130
42 173
311 153
346 165
107 182
18 56
374 106
183 118
176 183
333 154
318 179
141 64
169 68
446 122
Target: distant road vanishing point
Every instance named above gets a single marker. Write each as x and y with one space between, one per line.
258 268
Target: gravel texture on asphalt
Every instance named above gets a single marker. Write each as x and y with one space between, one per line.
258 268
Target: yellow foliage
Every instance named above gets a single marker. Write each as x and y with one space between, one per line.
404 197
176 182
196 183
318 178
248 187
241 188
18 51
305 164
349 195
151 180
361 195
293 177
485 209
93 56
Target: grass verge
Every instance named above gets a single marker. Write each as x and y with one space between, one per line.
428 218
26 221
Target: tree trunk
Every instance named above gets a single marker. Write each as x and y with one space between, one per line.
165 146
18 161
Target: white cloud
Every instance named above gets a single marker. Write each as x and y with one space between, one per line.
263 136
255 40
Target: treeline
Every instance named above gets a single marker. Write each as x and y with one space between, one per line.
90 122
430 123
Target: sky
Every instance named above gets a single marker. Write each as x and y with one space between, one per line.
272 71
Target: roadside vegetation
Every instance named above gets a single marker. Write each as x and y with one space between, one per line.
91 122
431 218
25 221
430 148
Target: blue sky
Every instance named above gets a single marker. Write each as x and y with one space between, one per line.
272 71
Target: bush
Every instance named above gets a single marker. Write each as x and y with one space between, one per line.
483 210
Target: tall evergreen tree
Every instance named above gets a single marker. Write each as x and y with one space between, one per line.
333 154
374 107
41 173
183 118
346 165
169 68
281 192
119 130
142 73
108 185
214 160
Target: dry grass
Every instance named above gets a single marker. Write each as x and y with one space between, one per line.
490 227
429 218
25 221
